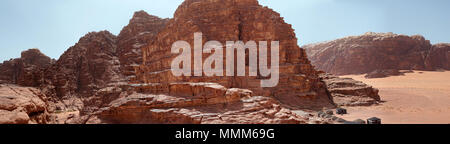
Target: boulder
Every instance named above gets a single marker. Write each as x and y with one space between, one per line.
383 73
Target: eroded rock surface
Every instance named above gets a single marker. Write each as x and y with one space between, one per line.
349 92
236 20
439 57
26 70
94 82
172 110
89 65
22 105
90 74
201 103
138 33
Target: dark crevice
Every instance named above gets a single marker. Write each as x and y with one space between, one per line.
34 114
79 66
240 30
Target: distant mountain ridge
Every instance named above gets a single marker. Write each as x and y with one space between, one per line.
378 51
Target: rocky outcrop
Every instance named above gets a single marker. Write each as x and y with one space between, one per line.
88 66
156 96
376 51
22 105
439 57
99 62
234 107
26 70
349 92
236 20
200 103
138 33
386 73
90 74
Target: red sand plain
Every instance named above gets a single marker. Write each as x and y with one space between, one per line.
421 97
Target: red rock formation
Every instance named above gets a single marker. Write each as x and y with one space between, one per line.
156 109
138 33
164 98
370 52
386 73
27 70
93 76
349 92
89 65
234 20
439 57
91 73
22 105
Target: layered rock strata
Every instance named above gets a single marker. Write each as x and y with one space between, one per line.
236 20
439 57
377 51
140 31
26 70
128 78
22 105
349 92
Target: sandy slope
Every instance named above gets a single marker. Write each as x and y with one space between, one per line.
419 98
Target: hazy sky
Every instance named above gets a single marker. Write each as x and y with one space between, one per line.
55 25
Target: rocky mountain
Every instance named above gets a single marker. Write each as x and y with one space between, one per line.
237 20
90 64
99 61
138 33
439 57
82 78
84 68
127 79
159 97
377 51
25 70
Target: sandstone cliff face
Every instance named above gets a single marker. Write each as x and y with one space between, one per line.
159 97
90 74
370 52
100 58
22 105
138 33
27 70
439 57
99 62
89 65
234 20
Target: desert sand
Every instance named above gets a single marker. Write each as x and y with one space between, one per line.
422 97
